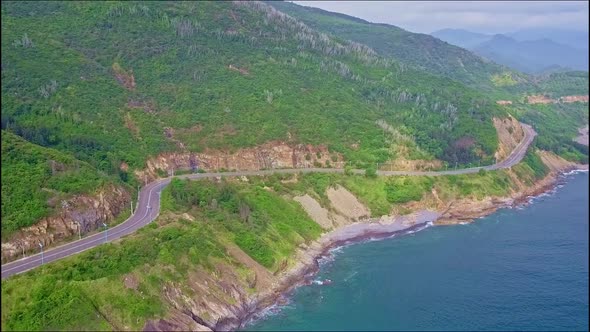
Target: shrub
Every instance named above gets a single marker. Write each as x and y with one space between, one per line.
371 172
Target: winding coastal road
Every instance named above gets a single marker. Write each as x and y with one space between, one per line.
148 206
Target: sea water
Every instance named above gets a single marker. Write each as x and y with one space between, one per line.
519 269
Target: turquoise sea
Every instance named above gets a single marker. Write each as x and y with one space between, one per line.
524 268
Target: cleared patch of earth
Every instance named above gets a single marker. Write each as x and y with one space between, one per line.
347 204
322 216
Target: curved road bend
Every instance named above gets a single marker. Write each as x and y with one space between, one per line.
149 204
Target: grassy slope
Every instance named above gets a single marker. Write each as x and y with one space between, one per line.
87 291
33 175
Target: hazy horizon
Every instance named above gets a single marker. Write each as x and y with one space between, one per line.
491 17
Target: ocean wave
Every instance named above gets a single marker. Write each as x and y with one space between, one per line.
270 311
575 171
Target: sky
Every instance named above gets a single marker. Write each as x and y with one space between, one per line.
478 16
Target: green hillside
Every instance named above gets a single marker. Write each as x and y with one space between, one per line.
36 179
436 56
414 49
91 90
109 82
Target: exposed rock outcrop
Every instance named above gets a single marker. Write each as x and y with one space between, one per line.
267 156
510 133
89 212
465 210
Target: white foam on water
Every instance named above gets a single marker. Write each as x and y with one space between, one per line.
271 310
576 171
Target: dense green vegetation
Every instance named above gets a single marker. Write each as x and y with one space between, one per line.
264 225
557 125
413 49
36 179
222 75
87 292
564 84
406 189
113 83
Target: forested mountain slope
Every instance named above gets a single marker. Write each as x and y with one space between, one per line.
116 82
37 180
434 55
94 92
415 49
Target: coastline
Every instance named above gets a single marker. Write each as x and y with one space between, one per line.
308 257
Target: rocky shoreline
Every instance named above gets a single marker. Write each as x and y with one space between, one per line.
308 257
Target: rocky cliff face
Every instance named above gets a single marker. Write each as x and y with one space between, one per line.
510 133
266 156
87 212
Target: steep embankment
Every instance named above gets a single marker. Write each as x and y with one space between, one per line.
48 196
270 155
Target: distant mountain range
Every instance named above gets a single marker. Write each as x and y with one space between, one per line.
533 50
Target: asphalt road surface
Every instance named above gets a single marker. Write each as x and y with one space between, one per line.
149 205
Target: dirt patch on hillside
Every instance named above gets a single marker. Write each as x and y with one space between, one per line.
131 282
539 99
347 204
322 216
124 77
542 99
242 71
574 99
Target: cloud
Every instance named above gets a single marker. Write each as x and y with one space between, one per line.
489 17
